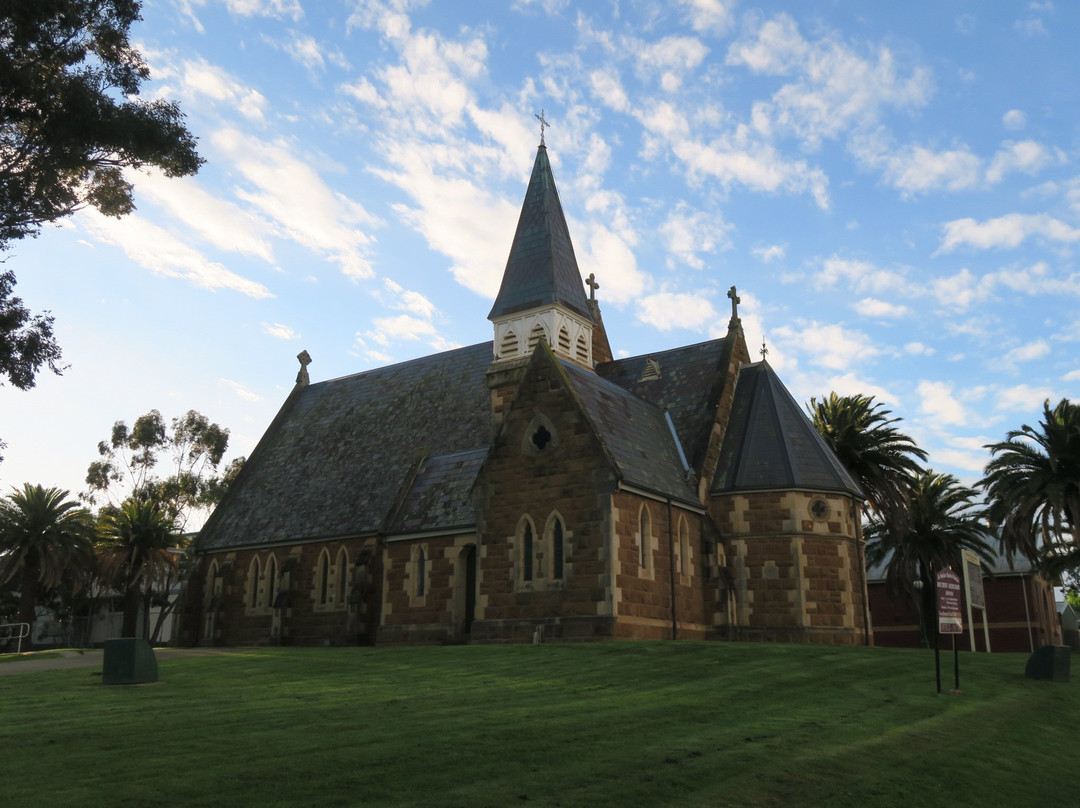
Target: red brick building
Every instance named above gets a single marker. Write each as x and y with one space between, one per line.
1020 611
535 484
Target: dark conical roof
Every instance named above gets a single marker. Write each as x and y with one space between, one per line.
770 443
541 269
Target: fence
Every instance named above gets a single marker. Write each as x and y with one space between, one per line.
14 631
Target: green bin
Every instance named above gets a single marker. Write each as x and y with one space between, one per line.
128 661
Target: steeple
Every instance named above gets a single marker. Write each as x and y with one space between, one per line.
542 269
542 296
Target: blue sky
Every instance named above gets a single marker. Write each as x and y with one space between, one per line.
893 188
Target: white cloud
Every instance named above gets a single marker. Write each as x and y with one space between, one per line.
709 16
1026 353
918 349
608 254
1014 119
771 253
242 391
851 384
666 311
609 90
223 224
1022 397
689 233
759 168
960 290
280 9
304 208
279 331
830 346
1072 376
835 88
163 254
671 58
199 80
404 327
1026 156
862 276
916 169
1005 232
940 405
871 307
410 301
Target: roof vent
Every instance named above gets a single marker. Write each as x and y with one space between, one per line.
651 371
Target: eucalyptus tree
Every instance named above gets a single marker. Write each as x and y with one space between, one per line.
44 537
173 463
1032 485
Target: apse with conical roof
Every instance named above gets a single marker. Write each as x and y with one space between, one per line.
542 295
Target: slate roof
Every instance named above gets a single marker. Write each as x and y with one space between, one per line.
339 454
688 388
635 434
541 268
440 494
771 444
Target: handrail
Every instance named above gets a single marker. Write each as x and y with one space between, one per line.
24 631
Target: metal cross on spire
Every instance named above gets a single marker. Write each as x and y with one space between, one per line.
764 351
593 285
543 123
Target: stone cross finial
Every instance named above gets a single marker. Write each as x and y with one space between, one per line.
764 351
543 123
593 285
305 360
735 301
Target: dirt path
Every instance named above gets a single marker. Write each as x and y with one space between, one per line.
93 659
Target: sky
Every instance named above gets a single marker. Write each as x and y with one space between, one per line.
893 188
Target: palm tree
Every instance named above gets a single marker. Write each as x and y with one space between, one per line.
943 519
139 536
43 535
878 455
1032 484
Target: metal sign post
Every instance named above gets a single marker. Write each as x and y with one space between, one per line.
950 619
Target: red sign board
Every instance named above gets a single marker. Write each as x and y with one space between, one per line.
950 620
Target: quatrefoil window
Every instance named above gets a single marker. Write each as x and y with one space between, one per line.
541 438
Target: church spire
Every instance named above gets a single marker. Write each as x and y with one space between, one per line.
541 269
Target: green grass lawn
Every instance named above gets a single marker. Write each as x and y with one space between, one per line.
619 724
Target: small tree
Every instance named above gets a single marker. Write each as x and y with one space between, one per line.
138 551
43 536
1032 485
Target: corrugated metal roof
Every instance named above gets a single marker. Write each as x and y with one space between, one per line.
541 269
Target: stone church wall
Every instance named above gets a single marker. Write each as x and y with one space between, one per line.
301 607
527 484
643 585
796 568
424 582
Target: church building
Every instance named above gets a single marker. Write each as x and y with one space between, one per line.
535 487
